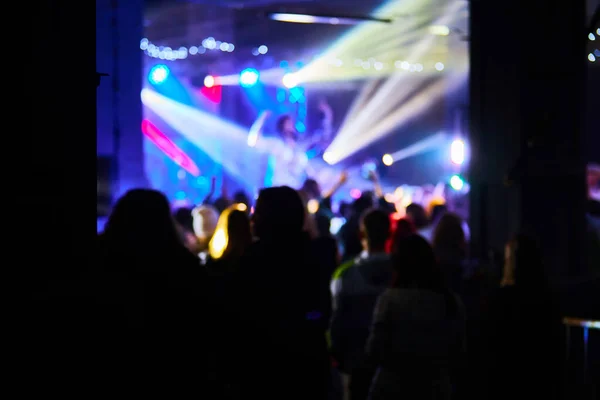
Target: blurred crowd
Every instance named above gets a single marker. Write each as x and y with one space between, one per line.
235 298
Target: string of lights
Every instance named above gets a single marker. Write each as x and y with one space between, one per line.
179 53
170 54
211 44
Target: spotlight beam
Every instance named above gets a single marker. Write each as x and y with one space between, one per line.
380 103
365 93
394 91
170 149
324 19
226 144
367 121
360 40
209 133
394 120
384 100
367 30
420 147
415 106
382 106
393 38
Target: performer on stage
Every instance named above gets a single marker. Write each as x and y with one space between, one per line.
288 161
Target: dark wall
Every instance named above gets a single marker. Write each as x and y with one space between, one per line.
527 126
592 118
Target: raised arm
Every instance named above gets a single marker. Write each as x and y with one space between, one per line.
373 177
340 182
211 193
257 128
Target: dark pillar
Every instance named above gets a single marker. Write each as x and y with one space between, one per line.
592 144
54 163
528 66
119 29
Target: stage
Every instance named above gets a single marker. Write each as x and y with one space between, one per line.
396 107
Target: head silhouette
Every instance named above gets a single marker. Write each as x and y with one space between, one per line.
279 212
311 188
142 219
183 216
417 215
363 203
437 212
285 124
238 226
375 229
404 228
449 241
415 265
345 209
221 204
240 197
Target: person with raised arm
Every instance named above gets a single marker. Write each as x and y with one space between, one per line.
288 161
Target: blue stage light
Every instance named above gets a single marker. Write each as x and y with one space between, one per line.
249 77
158 74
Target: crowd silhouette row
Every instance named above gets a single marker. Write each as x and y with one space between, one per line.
231 300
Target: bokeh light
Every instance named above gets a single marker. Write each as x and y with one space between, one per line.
158 74
249 77
456 182
457 152
209 81
387 159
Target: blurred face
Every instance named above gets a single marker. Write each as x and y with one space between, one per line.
288 125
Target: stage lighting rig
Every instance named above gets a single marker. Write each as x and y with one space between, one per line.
324 19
